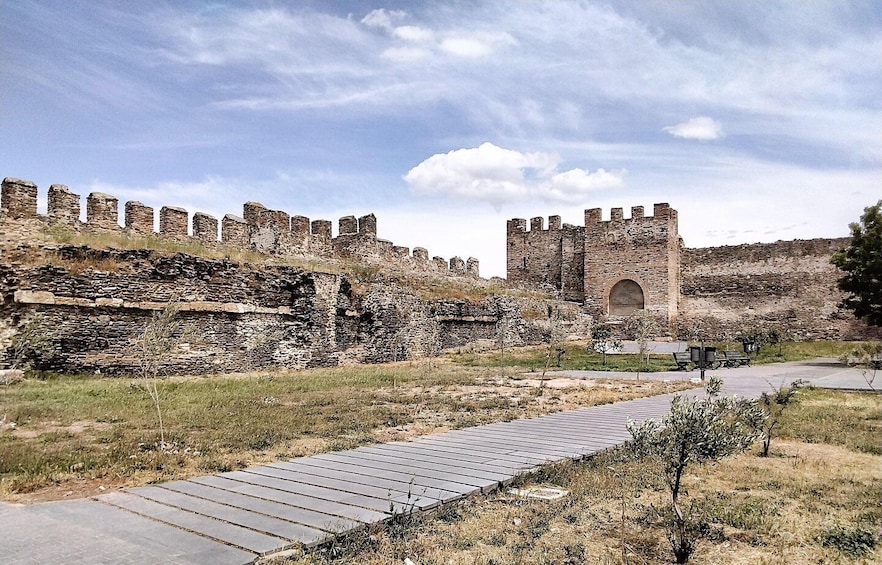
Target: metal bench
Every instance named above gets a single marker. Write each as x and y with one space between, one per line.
683 361
735 359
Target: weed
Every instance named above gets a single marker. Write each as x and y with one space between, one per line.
855 542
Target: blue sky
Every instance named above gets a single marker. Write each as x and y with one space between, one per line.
758 121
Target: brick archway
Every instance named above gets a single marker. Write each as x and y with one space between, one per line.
625 298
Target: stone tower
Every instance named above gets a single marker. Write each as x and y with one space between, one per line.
614 267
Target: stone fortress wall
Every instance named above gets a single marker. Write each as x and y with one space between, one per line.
273 232
617 266
94 303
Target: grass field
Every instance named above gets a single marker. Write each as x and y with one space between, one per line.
814 500
578 355
66 436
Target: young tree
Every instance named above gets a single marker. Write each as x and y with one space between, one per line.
694 431
773 405
603 341
641 327
161 336
556 336
861 264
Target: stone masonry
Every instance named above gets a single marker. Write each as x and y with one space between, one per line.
273 232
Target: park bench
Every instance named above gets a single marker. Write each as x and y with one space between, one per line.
735 359
683 360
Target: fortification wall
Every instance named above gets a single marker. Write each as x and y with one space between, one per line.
273 232
790 285
93 304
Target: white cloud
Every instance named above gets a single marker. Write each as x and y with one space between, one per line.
413 33
497 175
382 18
701 128
476 45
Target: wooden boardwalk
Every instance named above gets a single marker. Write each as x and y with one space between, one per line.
237 516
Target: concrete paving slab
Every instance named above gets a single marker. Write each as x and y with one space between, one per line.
485 485
400 486
417 461
387 499
316 493
340 514
447 490
212 528
282 529
313 525
453 459
80 532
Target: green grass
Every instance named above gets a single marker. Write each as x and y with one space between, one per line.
577 356
793 350
821 419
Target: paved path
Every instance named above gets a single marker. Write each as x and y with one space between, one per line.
238 516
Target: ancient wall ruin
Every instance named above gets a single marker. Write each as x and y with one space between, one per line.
273 232
93 304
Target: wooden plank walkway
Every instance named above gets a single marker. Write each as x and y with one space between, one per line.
237 516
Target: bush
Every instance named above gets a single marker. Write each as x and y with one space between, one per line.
854 542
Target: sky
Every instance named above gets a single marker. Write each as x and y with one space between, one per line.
756 120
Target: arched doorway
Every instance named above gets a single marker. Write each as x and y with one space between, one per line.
625 298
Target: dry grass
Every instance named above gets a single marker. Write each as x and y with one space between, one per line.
76 434
759 510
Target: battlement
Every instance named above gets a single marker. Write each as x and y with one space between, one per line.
274 232
661 211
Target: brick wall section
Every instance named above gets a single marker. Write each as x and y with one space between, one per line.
63 205
642 249
789 284
102 211
551 259
234 231
173 221
205 227
139 218
320 240
18 199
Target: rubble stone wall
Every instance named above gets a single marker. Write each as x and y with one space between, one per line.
233 317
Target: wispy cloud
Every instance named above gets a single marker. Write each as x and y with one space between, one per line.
701 128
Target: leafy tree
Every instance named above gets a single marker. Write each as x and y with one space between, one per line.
603 341
861 264
773 405
696 430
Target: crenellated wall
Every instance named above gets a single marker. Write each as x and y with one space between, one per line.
639 263
273 232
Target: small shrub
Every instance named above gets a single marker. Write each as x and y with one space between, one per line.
854 542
